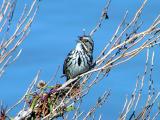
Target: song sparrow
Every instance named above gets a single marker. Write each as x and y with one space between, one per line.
80 59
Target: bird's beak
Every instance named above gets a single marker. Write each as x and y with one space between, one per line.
80 41
77 41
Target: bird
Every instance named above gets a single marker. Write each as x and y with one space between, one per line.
80 59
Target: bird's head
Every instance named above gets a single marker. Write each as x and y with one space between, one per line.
87 43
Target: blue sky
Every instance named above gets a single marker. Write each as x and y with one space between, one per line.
54 33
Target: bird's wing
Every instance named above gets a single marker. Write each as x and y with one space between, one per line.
66 61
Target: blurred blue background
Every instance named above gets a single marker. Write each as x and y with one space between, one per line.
54 33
